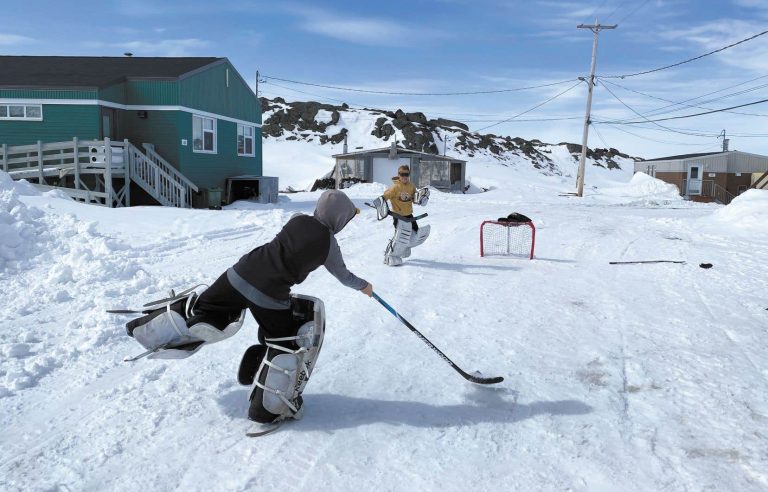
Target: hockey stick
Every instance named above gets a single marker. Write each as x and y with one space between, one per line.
400 217
468 377
643 261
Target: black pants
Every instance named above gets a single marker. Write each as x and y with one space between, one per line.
221 302
414 225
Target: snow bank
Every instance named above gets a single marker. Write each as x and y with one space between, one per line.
19 225
642 189
748 211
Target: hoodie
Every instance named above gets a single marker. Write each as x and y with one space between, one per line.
302 245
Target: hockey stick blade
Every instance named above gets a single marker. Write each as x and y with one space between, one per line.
464 374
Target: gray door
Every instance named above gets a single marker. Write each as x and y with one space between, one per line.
694 179
108 123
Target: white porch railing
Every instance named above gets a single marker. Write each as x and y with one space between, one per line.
51 164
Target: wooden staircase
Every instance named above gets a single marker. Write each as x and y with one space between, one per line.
98 171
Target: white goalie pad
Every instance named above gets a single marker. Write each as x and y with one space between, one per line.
420 236
279 371
401 241
382 208
163 329
422 196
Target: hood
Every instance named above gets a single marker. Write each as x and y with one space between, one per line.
335 210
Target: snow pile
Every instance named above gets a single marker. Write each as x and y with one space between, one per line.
19 225
748 211
643 189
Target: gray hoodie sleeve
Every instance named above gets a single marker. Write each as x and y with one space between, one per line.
335 264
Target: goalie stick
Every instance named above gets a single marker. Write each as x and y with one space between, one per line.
465 375
400 217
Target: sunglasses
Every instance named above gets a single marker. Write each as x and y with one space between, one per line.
404 174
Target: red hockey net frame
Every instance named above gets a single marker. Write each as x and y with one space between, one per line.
513 234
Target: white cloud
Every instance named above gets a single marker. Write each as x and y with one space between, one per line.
14 39
359 30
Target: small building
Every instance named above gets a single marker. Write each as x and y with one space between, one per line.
187 123
712 176
380 166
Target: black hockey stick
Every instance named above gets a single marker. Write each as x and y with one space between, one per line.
465 375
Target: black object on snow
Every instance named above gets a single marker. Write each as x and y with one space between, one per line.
705 265
514 217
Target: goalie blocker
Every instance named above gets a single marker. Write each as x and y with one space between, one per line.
279 370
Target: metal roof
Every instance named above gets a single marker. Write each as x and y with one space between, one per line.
680 157
92 71
400 150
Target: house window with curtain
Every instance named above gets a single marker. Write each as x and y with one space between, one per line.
245 146
203 134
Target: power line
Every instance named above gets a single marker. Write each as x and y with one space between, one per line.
640 115
623 130
614 10
632 12
529 110
393 93
685 61
367 108
677 117
681 103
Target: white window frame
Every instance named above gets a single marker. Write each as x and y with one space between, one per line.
252 137
214 131
8 105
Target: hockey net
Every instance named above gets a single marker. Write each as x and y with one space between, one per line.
507 239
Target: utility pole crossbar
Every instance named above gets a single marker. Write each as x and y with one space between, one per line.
595 28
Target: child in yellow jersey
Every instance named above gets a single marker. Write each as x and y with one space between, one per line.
401 195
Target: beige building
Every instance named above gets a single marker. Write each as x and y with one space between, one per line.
713 176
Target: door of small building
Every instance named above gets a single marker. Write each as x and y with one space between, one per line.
455 176
694 179
108 123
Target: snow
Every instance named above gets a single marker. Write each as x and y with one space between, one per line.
617 377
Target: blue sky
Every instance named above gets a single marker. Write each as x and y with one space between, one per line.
438 46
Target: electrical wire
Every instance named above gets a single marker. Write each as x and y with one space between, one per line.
393 93
632 12
676 117
529 110
685 61
640 115
680 103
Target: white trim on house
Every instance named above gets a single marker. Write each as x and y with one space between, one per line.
128 107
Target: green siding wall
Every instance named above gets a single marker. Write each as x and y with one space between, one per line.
59 123
208 91
156 92
210 170
114 93
159 128
46 94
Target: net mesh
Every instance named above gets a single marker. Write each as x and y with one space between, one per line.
506 239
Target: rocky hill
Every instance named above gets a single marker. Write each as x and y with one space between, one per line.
330 124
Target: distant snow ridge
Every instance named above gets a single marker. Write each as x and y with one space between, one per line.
326 124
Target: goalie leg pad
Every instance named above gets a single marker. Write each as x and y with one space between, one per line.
279 373
402 238
165 329
420 236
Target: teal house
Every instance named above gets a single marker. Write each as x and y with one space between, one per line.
126 130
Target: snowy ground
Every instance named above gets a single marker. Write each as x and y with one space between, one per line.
618 377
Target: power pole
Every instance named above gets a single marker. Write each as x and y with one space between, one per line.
595 28
725 141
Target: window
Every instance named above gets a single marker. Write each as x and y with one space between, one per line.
203 134
32 112
245 140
